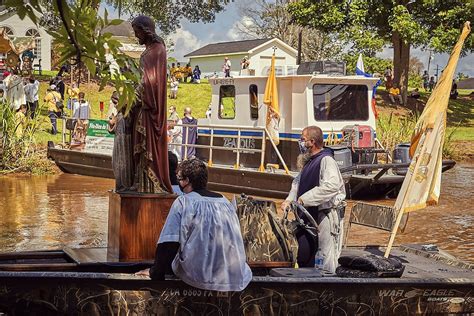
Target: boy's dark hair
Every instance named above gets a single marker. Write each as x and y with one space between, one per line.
82 95
195 171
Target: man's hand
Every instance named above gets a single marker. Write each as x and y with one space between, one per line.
300 201
145 272
286 204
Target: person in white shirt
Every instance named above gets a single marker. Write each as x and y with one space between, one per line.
226 67
15 91
319 187
201 242
31 94
174 88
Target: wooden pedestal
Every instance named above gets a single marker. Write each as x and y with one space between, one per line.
135 223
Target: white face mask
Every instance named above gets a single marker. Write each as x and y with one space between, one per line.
302 146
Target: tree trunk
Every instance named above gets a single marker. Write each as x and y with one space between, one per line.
401 63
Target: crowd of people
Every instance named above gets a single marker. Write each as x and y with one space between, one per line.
22 96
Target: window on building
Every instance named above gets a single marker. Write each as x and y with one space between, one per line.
37 50
253 94
340 102
7 31
227 102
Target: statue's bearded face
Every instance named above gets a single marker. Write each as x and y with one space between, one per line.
140 34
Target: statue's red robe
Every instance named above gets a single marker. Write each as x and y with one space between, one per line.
150 128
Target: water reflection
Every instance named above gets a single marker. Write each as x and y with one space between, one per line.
45 212
48 212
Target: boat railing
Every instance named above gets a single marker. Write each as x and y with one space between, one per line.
238 149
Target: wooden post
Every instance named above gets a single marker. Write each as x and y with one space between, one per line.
135 223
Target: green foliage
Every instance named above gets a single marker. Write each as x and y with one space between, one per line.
169 14
18 149
427 23
269 19
415 80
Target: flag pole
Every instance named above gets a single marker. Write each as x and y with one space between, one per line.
402 207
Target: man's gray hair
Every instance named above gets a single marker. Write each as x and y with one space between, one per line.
315 133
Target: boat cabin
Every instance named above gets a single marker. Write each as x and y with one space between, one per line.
330 102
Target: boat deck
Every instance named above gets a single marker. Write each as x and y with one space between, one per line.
419 264
85 284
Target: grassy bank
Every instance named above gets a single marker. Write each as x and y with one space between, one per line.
197 96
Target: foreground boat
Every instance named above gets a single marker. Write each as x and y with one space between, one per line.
81 281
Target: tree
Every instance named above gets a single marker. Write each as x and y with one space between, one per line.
401 23
80 37
462 76
168 14
268 19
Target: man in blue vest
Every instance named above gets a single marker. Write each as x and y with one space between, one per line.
319 187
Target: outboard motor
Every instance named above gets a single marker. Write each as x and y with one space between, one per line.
342 155
401 154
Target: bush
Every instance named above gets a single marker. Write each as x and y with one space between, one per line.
18 150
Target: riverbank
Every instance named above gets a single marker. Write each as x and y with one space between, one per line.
395 123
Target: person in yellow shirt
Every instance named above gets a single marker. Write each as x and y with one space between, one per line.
73 101
178 74
393 93
20 120
52 99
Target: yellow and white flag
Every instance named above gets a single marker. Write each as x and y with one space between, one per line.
270 98
422 183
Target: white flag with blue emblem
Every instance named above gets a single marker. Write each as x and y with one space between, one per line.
360 66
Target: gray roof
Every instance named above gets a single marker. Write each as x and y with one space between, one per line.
466 84
228 47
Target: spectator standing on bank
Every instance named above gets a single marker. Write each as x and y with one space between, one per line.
431 84
226 67
20 120
173 114
196 74
31 94
189 135
60 86
174 88
52 98
426 80
388 77
188 73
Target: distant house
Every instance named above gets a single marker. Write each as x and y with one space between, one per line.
14 27
210 58
124 33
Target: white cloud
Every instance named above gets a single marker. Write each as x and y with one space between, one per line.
184 43
234 33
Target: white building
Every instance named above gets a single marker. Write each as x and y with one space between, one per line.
16 27
210 58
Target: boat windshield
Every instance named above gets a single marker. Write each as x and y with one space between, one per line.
338 102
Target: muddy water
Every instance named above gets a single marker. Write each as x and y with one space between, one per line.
47 212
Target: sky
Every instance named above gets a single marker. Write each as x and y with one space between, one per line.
192 36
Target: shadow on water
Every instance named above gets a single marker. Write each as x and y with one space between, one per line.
48 212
